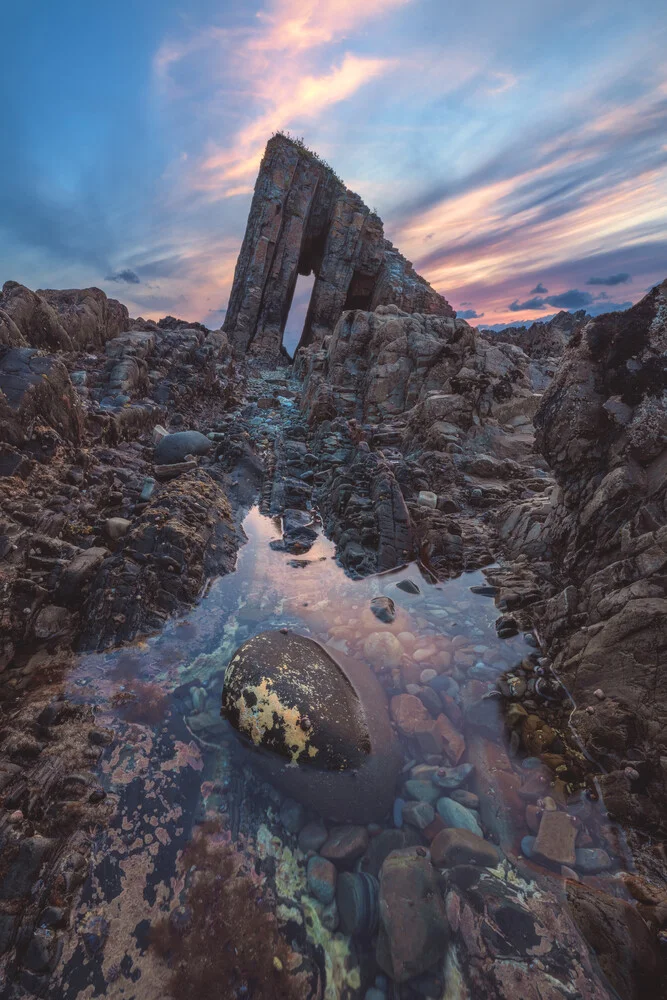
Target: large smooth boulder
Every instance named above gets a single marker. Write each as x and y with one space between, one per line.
319 726
175 447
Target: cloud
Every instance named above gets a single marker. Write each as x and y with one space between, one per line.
539 289
283 74
536 303
468 314
613 279
126 275
572 299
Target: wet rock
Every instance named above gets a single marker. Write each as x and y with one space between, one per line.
408 713
460 846
78 572
41 951
292 815
176 447
455 815
408 586
380 848
465 798
345 844
24 870
453 777
413 929
278 693
418 814
591 860
622 942
357 900
384 609
312 836
383 650
321 879
422 791
555 839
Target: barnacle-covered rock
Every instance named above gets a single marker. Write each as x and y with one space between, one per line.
320 725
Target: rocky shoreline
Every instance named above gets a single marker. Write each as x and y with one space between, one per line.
130 453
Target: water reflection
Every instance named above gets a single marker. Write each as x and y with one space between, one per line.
175 764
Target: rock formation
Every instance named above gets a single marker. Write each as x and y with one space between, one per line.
542 339
602 426
73 319
303 220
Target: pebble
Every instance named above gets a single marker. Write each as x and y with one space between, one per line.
456 815
427 499
292 815
383 650
408 587
427 675
312 836
384 609
345 843
422 791
321 879
452 777
599 694
419 814
465 798
591 860
399 806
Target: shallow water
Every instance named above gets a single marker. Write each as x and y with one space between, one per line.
174 763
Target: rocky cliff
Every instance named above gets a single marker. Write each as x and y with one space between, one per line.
303 220
602 427
541 339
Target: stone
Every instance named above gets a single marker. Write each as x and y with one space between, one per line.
452 777
453 741
555 839
383 650
175 448
419 814
408 713
278 691
303 220
422 791
312 836
292 815
591 860
465 798
345 844
321 879
116 528
408 587
51 621
460 846
455 815
358 903
428 499
381 846
413 923
78 573
384 609
427 735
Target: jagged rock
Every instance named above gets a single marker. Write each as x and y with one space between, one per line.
278 692
303 220
541 339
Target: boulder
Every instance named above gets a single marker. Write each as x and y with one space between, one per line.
173 448
462 847
278 694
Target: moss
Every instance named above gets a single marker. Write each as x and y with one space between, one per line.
225 942
299 143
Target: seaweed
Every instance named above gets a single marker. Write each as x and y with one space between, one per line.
223 942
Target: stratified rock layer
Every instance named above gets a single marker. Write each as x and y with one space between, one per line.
303 220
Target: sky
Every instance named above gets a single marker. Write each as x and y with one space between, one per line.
516 152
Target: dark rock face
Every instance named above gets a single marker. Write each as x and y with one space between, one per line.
602 426
175 447
327 718
36 395
303 220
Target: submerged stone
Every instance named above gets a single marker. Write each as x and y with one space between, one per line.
320 725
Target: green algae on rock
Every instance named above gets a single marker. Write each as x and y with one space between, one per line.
320 725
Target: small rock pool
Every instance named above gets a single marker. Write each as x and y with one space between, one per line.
209 882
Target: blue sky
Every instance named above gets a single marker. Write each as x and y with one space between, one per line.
517 152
